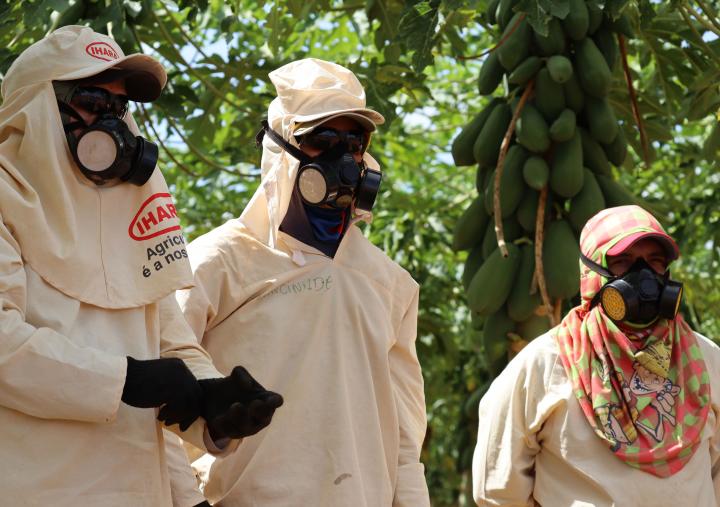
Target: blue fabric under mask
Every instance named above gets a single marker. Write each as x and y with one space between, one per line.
327 223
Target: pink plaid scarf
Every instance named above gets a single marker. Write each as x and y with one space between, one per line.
646 395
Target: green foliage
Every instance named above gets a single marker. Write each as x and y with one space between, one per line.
407 54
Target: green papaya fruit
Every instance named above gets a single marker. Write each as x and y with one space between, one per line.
549 96
560 68
600 117
577 21
521 303
615 194
482 176
490 287
504 12
616 151
566 174
477 321
527 69
470 227
563 128
606 42
592 69
533 326
553 43
531 130
491 11
574 96
511 232
586 203
623 25
527 210
536 172
561 255
594 157
496 341
491 73
515 46
487 144
526 213
472 264
462 146
595 17
511 182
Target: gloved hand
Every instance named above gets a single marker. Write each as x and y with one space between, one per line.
237 406
166 383
203 504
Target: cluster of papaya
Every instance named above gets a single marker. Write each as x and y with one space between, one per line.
563 140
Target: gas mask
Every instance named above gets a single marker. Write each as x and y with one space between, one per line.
638 297
107 149
333 177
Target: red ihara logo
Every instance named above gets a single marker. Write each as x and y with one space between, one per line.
157 216
102 51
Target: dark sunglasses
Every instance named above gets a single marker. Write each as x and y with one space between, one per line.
100 101
326 138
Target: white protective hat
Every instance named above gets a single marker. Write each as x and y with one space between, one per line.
315 91
78 52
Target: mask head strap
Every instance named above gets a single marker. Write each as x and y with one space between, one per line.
594 266
597 268
278 139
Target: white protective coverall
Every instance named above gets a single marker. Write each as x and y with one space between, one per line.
87 277
535 446
335 336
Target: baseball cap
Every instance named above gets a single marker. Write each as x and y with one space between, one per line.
79 53
364 117
671 249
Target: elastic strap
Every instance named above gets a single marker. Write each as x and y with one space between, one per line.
277 139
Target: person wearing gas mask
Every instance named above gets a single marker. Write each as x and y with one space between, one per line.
618 404
327 318
91 252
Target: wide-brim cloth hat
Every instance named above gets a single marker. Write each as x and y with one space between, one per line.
644 392
119 246
309 93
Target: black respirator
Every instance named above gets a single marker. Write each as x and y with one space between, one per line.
333 177
107 149
640 296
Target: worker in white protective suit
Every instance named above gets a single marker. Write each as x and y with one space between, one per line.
326 317
91 253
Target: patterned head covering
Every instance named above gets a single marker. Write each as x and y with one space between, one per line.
646 394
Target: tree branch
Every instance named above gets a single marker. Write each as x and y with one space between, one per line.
199 154
500 166
539 239
712 17
701 19
500 42
634 102
148 124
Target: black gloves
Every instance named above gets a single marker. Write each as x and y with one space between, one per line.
237 406
203 504
164 382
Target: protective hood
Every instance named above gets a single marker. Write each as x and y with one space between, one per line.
114 247
645 395
308 91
